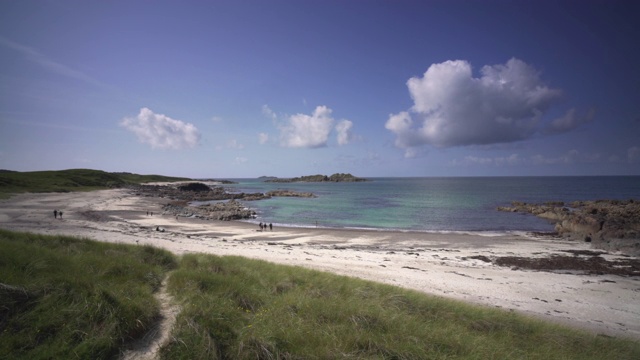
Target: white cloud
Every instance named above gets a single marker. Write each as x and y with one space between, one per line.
161 131
511 160
234 144
240 160
569 157
266 111
633 154
453 108
571 120
263 138
307 131
344 132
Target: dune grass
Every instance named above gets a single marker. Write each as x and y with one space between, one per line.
68 298
63 298
237 308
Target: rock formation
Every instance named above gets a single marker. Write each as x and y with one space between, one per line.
230 210
612 225
181 196
338 177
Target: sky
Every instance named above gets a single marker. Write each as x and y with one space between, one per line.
242 89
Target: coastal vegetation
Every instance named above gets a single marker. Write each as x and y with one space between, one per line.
71 180
65 297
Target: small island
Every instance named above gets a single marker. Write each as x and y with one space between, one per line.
338 177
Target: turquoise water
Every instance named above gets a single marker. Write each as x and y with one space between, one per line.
429 204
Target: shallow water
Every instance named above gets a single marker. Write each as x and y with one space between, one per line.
466 204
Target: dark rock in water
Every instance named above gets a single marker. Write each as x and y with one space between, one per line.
612 225
290 193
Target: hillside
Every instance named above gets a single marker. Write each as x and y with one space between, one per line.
71 180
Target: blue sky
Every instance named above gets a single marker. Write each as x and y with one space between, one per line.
228 89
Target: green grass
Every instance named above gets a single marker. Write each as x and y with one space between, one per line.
236 308
70 180
73 298
63 297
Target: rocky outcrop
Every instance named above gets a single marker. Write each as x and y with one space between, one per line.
194 192
194 187
230 210
612 225
338 177
203 192
289 193
183 195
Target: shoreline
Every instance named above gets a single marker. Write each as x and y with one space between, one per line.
484 233
441 264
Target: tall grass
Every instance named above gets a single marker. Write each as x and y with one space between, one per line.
67 298
63 297
236 308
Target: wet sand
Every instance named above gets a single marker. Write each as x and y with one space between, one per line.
450 265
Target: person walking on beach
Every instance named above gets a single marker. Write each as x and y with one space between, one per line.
270 227
55 214
60 213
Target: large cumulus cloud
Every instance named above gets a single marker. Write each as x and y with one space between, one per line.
313 131
505 103
161 131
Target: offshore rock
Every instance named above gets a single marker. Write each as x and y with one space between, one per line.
289 193
338 177
611 225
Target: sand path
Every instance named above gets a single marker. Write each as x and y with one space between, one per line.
148 347
438 264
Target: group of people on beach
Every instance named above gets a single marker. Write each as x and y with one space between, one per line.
263 227
57 213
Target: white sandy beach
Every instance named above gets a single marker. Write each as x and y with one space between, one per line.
436 264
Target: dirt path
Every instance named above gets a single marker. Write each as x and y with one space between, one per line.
148 347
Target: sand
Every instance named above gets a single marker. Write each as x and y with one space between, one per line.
437 264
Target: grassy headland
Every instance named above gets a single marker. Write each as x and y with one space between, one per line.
64 297
70 180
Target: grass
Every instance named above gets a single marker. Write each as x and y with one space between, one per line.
63 297
70 180
237 308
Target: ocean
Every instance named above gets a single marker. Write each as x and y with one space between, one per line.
444 204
